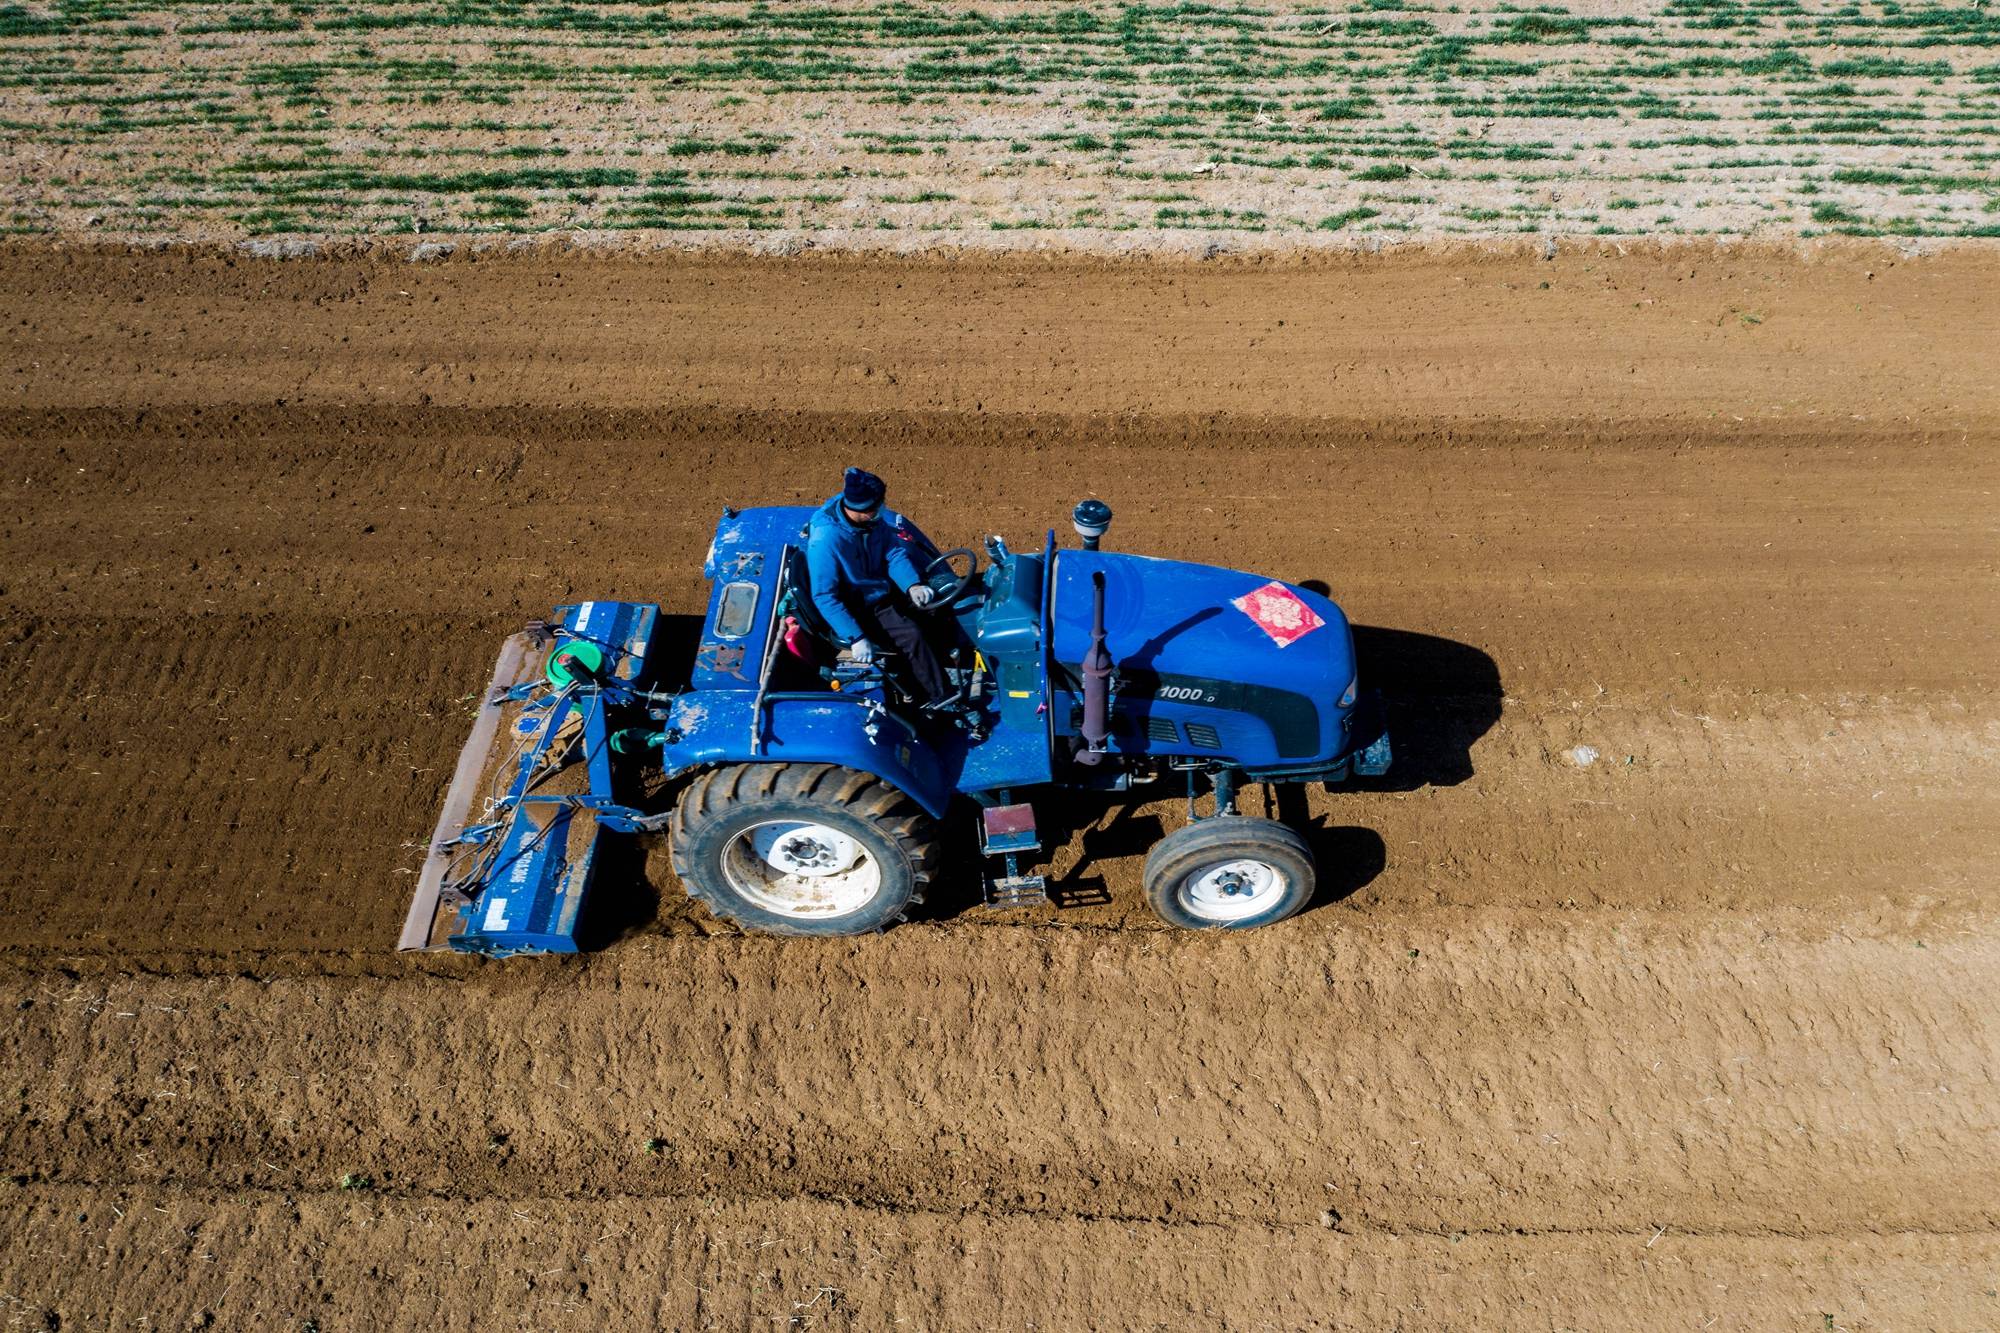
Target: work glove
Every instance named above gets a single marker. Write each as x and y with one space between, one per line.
861 651
921 594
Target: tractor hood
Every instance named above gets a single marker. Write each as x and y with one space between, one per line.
1215 640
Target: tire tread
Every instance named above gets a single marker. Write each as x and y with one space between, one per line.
712 794
1172 857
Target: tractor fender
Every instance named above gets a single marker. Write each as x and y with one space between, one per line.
707 729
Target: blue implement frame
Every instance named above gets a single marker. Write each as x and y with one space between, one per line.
521 873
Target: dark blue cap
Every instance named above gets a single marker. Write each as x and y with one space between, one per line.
862 491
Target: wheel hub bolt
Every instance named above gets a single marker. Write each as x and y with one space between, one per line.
807 851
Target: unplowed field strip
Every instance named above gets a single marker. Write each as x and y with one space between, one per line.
1656 987
1683 339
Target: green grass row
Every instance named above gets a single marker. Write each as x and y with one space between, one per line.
492 113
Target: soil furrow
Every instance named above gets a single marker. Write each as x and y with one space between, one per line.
367 1262
308 1192
1189 1078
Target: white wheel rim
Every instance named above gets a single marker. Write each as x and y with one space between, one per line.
797 868
1234 890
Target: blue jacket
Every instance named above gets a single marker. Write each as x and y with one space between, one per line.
852 568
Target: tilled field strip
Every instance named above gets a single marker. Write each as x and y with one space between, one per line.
1623 676
817 1263
198 841
1496 1077
1658 990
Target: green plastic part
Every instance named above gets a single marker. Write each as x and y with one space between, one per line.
572 660
636 740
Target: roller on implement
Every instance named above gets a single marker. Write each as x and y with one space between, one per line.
806 793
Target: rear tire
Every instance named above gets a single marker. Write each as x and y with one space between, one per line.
1232 872
802 849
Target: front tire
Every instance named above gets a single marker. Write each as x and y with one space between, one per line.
1232 872
802 849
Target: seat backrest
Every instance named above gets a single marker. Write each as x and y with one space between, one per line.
795 595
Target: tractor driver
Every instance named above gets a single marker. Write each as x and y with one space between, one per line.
862 560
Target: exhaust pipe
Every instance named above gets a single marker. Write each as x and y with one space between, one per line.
1096 681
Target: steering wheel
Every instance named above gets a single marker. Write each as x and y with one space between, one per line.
949 594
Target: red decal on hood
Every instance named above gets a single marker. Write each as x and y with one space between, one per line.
1279 612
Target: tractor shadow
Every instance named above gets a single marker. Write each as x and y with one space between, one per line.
1120 827
1346 857
1108 828
676 639
1442 696
623 901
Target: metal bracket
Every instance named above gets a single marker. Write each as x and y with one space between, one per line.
1017 891
1008 831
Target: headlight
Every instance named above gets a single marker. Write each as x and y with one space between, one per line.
1347 695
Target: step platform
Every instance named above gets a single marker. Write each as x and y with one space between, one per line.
1008 832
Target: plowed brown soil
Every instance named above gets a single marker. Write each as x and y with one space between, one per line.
1698 1033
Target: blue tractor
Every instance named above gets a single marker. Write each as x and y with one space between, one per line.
813 793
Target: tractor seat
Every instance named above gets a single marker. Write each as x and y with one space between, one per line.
798 601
